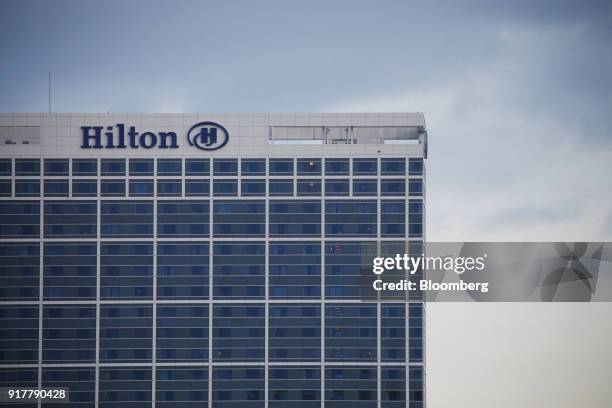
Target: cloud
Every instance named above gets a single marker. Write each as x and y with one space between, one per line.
511 157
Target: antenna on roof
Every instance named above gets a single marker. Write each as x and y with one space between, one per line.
49 91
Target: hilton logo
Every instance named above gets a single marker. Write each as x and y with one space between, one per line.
207 136
203 135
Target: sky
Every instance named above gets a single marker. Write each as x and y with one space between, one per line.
518 102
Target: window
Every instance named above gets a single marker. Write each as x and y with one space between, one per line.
113 188
27 167
84 188
84 167
197 167
295 218
253 187
281 167
141 167
415 187
338 167
141 188
253 167
225 167
309 167
393 166
5 188
364 187
27 188
336 187
365 167
55 188
169 167
6 167
392 187
197 188
113 167
225 188
69 218
281 187
308 187
56 167
168 188
415 167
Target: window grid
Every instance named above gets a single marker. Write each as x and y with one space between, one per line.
406 194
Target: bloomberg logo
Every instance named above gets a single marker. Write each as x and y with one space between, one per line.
203 135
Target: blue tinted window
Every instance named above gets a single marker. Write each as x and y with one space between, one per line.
55 188
126 218
27 167
182 333
253 167
182 218
337 167
84 188
225 167
80 381
84 167
295 332
19 326
295 218
253 187
70 218
225 188
197 188
182 271
168 188
140 167
70 271
392 187
415 187
6 167
125 334
19 269
415 167
281 167
197 167
181 387
238 334
351 342
336 187
113 167
308 187
72 331
141 187
364 166
365 187
114 188
5 188
19 219
27 188
56 167
169 167
393 166
281 187
309 166
239 218
350 218
239 270
392 218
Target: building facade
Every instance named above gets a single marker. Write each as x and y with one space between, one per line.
175 260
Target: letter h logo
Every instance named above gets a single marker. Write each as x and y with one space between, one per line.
208 136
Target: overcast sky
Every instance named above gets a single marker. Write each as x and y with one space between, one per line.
517 96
